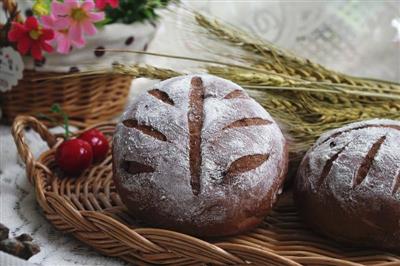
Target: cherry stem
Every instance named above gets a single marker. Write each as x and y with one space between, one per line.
56 108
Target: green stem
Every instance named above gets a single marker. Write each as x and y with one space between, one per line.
58 110
66 126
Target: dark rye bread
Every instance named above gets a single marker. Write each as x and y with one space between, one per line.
348 184
196 154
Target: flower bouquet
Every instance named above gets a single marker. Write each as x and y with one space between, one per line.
44 43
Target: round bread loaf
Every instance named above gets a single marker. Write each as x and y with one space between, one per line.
347 186
196 154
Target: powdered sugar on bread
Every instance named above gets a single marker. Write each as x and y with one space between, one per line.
347 186
357 139
233 126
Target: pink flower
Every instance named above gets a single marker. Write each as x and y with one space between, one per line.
72 20
101 4
61 36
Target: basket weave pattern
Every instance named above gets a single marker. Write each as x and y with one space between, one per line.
90 209
88 99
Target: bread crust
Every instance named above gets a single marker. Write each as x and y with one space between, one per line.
347 186
196 154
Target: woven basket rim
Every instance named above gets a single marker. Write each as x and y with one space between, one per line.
87 98
149 246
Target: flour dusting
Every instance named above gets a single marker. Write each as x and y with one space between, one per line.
169 186
340 181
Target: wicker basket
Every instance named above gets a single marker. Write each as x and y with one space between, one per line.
87 99
89 208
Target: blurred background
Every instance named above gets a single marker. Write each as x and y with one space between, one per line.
356 37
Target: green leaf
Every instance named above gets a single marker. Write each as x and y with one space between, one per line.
130 11
102 23
56 108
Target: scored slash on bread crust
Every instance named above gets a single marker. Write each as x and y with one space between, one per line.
161 95
245 122
236 94
329 163
148 130
133 167
195 121
367 162
244 164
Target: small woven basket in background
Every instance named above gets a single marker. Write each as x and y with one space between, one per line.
86 98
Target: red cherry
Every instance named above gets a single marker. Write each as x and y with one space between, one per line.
74 156
98 142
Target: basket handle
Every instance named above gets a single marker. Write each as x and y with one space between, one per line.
18 130
9 5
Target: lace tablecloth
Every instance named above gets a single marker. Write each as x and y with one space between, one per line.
352 36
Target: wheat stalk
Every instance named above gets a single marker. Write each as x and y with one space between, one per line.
265 55
304 112
306 98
